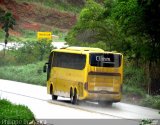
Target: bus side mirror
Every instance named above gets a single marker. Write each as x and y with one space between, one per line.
45 67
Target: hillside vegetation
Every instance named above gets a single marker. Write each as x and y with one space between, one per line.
37 15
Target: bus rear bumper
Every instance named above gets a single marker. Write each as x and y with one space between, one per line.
114 97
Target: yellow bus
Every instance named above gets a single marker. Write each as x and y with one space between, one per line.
83 73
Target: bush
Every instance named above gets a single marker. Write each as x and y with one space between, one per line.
135 77
8 59
33 51
135 82
133 91
151 101
29 52
14 114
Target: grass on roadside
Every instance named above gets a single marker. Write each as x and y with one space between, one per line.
134 83
135 88
30 73
12 114
151 101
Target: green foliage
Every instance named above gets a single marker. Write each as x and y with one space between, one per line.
133 91
89 14
32 51
140 20
61 35
1 35
14 114
92 12
95 25
152 101
146 122
135 81
29 52
151 11
9 59
134 77
8 22
30 73
28 35
129 16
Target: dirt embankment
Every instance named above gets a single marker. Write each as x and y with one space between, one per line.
37 17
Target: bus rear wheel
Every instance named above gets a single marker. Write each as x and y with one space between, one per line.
74 98
54 97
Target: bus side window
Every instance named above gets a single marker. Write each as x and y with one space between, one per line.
69 60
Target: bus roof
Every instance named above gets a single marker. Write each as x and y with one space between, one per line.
82 50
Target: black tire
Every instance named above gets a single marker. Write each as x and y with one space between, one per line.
54 97
72 99
71 95
75 101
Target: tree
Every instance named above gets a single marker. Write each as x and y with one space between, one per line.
89 18
95 26
8 22
129 26
128 16
151 18
139 20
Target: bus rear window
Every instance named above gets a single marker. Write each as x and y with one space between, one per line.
105 60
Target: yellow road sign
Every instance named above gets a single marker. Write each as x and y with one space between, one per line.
44 35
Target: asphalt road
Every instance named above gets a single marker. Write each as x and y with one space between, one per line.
37 99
